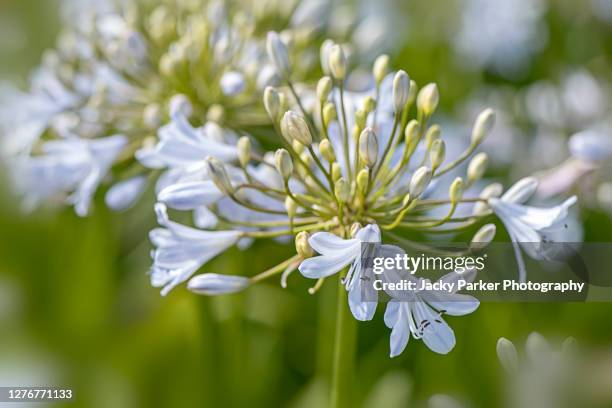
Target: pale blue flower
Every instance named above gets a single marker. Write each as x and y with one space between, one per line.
419 314
530 228
338 253
124 194
181 250
215 284
75 166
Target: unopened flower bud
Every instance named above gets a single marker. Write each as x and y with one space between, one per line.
327 151
507 355
401 89
437 153
483 125
433 134
412 132
361 118
483 237
302 247
412 95
153 116
342 189
363 178
283 163
492 190
336 172
298 147
277 52
427 99
296 128
337 62
215 113
406 200
455 191
369 104
381 68
244 150
368 147
419 182
290 207
324 87
329 114
214 284
272 103
477 167
218 174
355 227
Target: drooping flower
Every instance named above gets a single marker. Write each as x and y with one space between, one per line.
181 250
530 228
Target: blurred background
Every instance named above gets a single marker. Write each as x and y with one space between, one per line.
77 309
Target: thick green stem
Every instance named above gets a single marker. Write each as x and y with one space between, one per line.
343 370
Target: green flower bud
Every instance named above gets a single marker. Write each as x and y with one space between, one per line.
363 178
483 125
419 181
477 167
296 128
412 94
427 99
381 68
401 89
342 189
437 153
483 237
298 147
433 134
218 174
327 151
368 147
336 172
272 103
507 355
361 118
244 150
412 132
337 62
302 247
406 200
290 207
355 227
329 114
215 113
283 163
324 87
455 192
153 116
369 104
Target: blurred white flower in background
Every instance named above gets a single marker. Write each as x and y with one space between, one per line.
501 35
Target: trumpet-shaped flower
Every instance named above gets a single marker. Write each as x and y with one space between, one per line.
336 254
529 227
75 166
419 314
181 250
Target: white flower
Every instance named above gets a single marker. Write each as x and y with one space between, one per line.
232 83
419 313
336 254
215 284
529 227
591 145
72 165
182 250
124 194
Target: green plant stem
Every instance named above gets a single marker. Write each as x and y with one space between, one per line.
343 369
